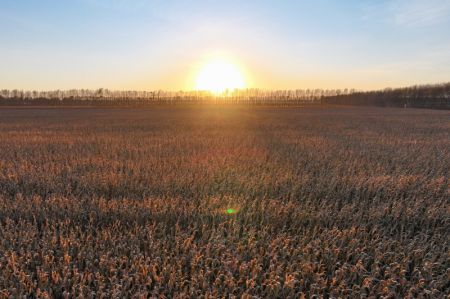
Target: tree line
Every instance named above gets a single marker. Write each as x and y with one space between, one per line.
424 96
113 97
436 96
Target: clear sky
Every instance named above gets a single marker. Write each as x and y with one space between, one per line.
161 44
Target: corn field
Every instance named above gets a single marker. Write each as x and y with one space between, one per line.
224 202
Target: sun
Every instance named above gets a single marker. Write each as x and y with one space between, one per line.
218 76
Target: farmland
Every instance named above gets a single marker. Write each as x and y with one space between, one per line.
224 201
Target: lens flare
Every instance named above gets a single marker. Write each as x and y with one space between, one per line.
230 211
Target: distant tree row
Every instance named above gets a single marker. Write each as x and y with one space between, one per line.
108 97
424 96
435 96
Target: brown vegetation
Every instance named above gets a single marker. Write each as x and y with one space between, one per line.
116 203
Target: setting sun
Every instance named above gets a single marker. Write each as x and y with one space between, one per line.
218 76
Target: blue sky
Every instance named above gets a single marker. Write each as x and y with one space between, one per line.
157 44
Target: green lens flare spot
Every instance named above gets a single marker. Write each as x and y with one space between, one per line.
230 211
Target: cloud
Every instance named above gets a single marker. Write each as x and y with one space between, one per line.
419 13
124 5
406 13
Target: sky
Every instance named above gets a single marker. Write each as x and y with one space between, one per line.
162 44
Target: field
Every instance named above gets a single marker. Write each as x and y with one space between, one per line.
224 202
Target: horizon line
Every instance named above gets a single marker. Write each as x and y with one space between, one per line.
228 90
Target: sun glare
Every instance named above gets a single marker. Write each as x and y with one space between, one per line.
218 76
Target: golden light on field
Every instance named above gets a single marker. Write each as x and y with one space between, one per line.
219 75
